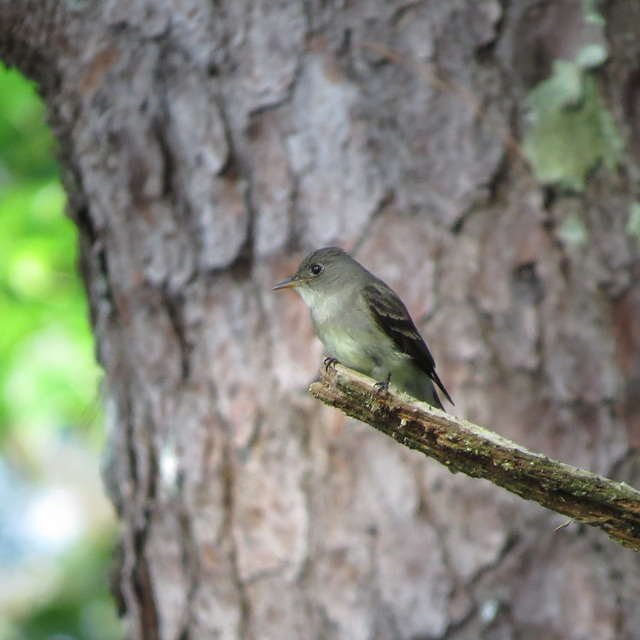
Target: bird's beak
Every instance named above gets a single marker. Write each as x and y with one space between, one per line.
288 284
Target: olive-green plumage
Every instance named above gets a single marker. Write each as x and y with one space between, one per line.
364 324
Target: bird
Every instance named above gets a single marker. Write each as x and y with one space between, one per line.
364 324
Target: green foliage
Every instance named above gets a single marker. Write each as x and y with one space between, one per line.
25 141
48 376
82 608
48 383
571 130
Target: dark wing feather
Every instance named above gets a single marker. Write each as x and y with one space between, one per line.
392 317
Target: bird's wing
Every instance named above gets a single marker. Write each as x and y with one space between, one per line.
394 320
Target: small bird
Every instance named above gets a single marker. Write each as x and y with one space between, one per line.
364 324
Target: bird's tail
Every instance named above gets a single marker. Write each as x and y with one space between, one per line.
436 379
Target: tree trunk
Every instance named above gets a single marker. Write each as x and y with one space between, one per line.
205 147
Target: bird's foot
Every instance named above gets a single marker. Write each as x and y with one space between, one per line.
329 362
382 386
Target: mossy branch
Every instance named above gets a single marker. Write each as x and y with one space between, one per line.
586 497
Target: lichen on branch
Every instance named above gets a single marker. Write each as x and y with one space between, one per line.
586 497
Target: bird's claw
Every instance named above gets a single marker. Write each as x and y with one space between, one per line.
382 386
329 362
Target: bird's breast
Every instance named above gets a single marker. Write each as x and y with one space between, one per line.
343 333
346 346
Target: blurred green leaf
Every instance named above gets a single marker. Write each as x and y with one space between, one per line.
48 376
82 609
25 141
48 373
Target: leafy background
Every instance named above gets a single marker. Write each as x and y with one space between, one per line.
56 526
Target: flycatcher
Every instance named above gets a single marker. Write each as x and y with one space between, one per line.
364 324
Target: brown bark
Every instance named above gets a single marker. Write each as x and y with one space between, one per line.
205 146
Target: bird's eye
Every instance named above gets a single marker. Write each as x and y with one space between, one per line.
316 269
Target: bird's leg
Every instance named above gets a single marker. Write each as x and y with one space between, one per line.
383 385
329 361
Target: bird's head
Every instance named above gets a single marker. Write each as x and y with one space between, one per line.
319 271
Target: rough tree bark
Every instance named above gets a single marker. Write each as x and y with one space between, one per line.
206 145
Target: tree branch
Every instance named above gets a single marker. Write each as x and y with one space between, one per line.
586 497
